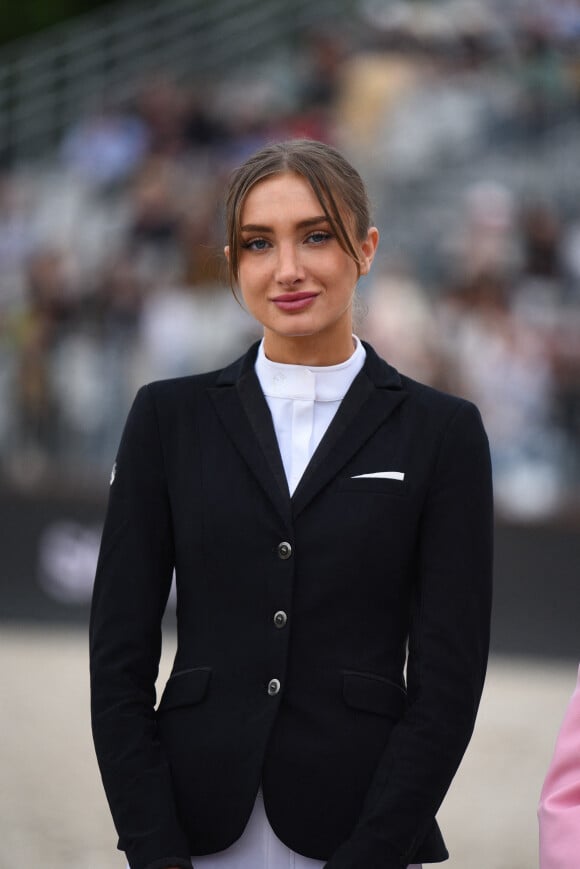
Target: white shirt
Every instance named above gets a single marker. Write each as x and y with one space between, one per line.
303 399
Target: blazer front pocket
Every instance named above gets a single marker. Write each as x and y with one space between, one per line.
185 688
373 693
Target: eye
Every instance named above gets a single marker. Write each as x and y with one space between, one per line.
255 244
318 237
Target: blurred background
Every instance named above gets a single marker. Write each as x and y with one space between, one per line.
119 126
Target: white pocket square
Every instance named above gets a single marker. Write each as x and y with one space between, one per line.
381 475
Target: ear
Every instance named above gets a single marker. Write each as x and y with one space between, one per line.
227 252
368 250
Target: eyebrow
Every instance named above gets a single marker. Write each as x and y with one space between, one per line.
302 224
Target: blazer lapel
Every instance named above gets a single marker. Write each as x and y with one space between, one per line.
240 404
372 397
258 413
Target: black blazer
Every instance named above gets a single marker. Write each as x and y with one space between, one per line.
355 751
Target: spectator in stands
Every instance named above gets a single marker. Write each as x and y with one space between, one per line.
504 364
105 148
17 238
44 324
163 107
156 210
546 89
542 242
400 324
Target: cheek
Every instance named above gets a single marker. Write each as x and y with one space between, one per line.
252 291
345 270
248 280
346 279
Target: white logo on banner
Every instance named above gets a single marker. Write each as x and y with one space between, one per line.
67 556
67 560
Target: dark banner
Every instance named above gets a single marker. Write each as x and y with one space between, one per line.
50 546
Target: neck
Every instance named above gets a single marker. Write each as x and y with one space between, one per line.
308 349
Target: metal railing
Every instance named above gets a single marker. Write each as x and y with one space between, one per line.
48 80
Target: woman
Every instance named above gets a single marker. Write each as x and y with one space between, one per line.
559 809
329 522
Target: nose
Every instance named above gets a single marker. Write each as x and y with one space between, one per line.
289 269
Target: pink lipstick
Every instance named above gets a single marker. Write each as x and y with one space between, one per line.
294 301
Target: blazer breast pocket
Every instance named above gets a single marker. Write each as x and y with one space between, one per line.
378 485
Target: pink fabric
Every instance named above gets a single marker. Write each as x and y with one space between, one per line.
559 808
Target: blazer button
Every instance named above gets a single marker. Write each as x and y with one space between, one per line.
273 687
280 618
284 550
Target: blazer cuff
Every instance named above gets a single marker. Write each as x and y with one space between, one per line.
164 862
366 851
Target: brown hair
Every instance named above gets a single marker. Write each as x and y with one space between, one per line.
336 184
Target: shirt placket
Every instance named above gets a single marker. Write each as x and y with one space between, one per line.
302 425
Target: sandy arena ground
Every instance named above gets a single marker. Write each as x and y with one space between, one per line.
53 812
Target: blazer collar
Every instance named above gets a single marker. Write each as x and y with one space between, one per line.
374 394
383 375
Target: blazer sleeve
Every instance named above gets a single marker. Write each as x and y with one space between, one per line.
132 584
559 808
447 658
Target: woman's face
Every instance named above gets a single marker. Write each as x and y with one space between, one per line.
294 276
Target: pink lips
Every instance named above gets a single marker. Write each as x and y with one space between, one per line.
294 301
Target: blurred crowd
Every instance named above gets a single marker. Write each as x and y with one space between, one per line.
464 118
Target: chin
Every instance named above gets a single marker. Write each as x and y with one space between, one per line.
297 333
